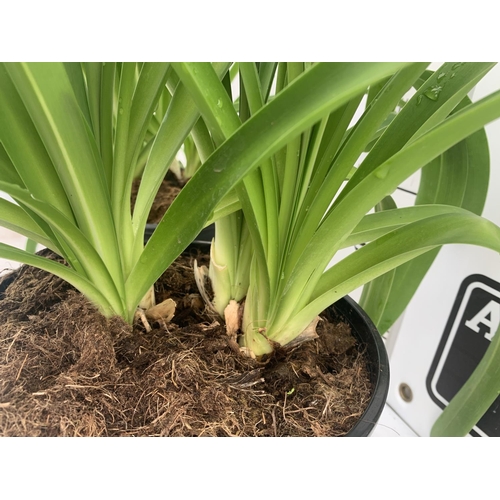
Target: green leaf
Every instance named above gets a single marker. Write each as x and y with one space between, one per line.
178 122
386 253
475 396
316 93
24 155
67 274
375 296
92 266
340 221
267 71
149 88
122 168
8 171
51 103
323 190
77 79
459 177
372 226
212 99
93 74
218 112
376 293
16 219
420 114
31 246
106 120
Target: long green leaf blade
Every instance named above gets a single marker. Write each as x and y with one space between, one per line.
386 253
50 100
92 264
77 79
382 182
309 98
67 274
459 177
93 75
16 219
419 114
474 398
322 191
25 149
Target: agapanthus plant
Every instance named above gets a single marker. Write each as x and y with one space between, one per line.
73 138
298 208
280 173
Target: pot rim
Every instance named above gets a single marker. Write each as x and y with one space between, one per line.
366 332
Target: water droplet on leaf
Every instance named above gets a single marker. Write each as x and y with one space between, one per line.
381 173
433 92
419 99
441 76
121 111
219 103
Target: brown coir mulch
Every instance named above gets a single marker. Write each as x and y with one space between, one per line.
167 192
65 370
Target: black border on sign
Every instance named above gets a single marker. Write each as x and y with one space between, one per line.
474 278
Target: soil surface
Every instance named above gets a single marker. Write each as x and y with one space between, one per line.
65 370
169 189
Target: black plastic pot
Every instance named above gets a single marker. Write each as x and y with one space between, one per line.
204 238
5 281
367 334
